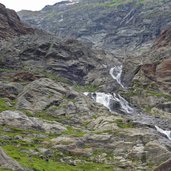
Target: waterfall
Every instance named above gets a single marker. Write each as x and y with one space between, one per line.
114 101
116 73
111 101
124 104
166 133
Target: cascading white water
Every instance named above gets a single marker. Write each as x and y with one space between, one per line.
116 73
124 104
108 100
166 133
103 99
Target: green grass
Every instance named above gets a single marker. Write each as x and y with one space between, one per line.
4 106
38 164
74 132
86 88
121 124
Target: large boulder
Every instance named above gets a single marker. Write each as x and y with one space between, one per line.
20 120
41 94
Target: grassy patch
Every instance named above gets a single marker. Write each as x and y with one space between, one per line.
38 164
74 132
86 88
4 106
121 124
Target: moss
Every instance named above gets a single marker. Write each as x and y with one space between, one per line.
8 70
86 88
38 164
4 106
158 94
121 124
74 132
147 109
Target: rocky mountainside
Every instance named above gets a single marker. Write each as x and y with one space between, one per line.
111 24
151 76
10 24
65 106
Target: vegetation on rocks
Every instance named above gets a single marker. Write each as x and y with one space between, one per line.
46 121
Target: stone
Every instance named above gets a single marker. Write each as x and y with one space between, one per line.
20 120
41 94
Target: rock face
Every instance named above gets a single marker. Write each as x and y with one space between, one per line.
10 24
151 77
70 59
18 119
112 25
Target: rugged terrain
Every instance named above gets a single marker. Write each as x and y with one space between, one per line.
10 24
49 116
108 24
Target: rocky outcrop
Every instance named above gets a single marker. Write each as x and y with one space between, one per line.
42 94
70 60
10 24
112 25
149 75
19 120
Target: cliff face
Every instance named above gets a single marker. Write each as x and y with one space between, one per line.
10 24
151 77
112 25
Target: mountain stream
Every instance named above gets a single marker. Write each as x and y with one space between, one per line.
115 102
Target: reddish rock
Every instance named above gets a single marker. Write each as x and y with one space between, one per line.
159 72
24 76
164 39
10 24
149 70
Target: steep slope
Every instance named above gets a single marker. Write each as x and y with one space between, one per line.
112 24
10 24
52 117
47 123
151 77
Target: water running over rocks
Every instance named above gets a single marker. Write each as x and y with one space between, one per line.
164 132
115 102
112 101
116 73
